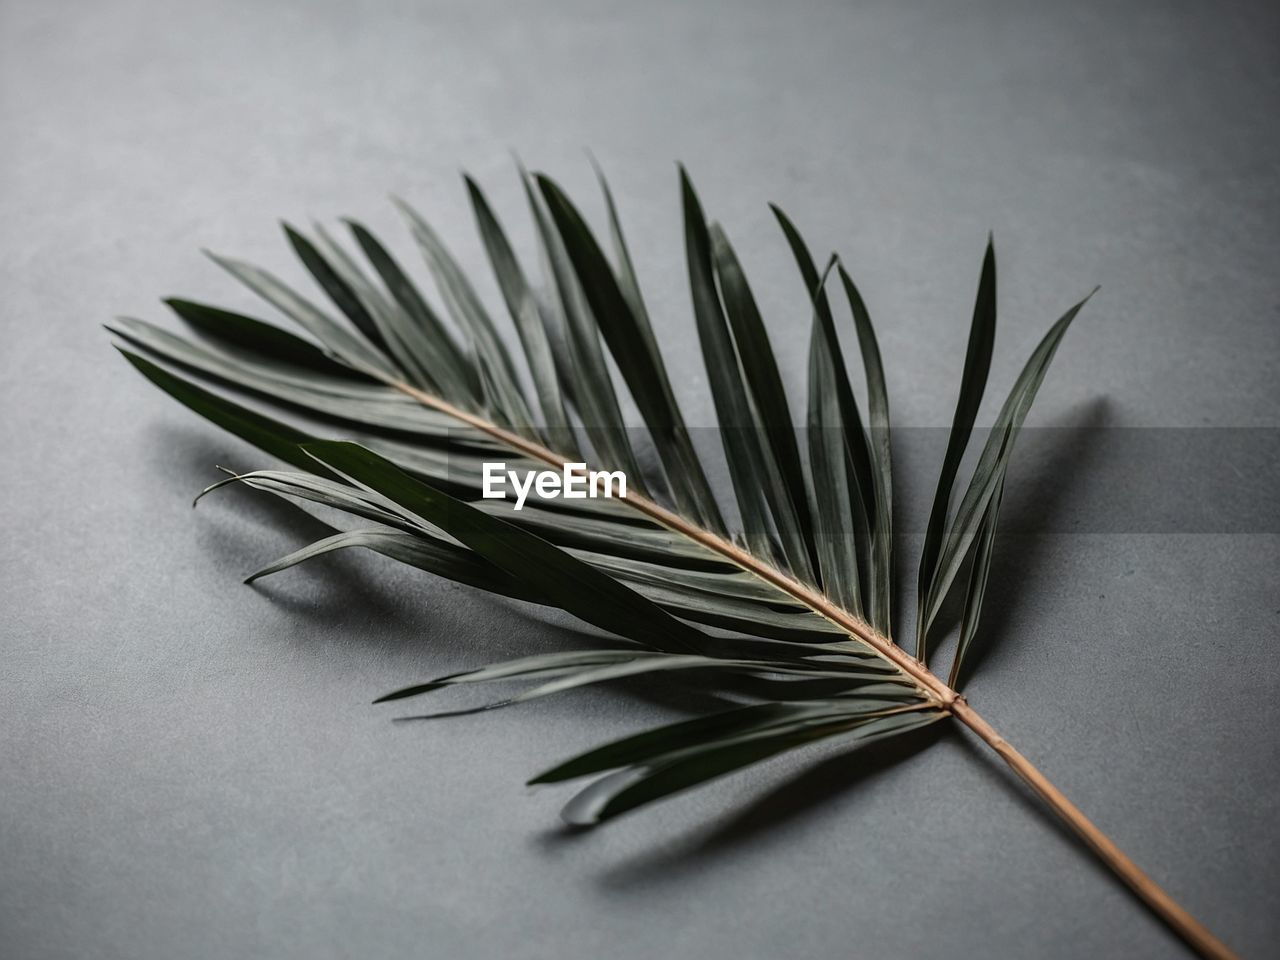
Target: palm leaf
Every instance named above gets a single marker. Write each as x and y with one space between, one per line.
387 417
977 362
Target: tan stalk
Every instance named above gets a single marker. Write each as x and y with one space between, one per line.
1147 890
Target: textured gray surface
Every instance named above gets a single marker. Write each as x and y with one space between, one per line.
190 767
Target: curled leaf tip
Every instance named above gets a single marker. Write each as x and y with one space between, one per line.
231 477
577 822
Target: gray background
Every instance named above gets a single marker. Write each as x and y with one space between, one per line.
190 767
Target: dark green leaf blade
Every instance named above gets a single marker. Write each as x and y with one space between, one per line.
347 345
789 500
842 531
398 332
634 349
835 424
335 287
674 737
979 572
630 788
748 467
627 278
258 337
855 439
313 488
497 369
523 307
347 400
638 664
583 357
994 461
973 381
537 665
443 364
563 580
431 554
880 570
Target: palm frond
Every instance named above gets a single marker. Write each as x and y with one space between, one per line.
390 408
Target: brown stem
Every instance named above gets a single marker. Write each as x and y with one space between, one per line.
1160 903
1146 889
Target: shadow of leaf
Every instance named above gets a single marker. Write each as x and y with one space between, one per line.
790 802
